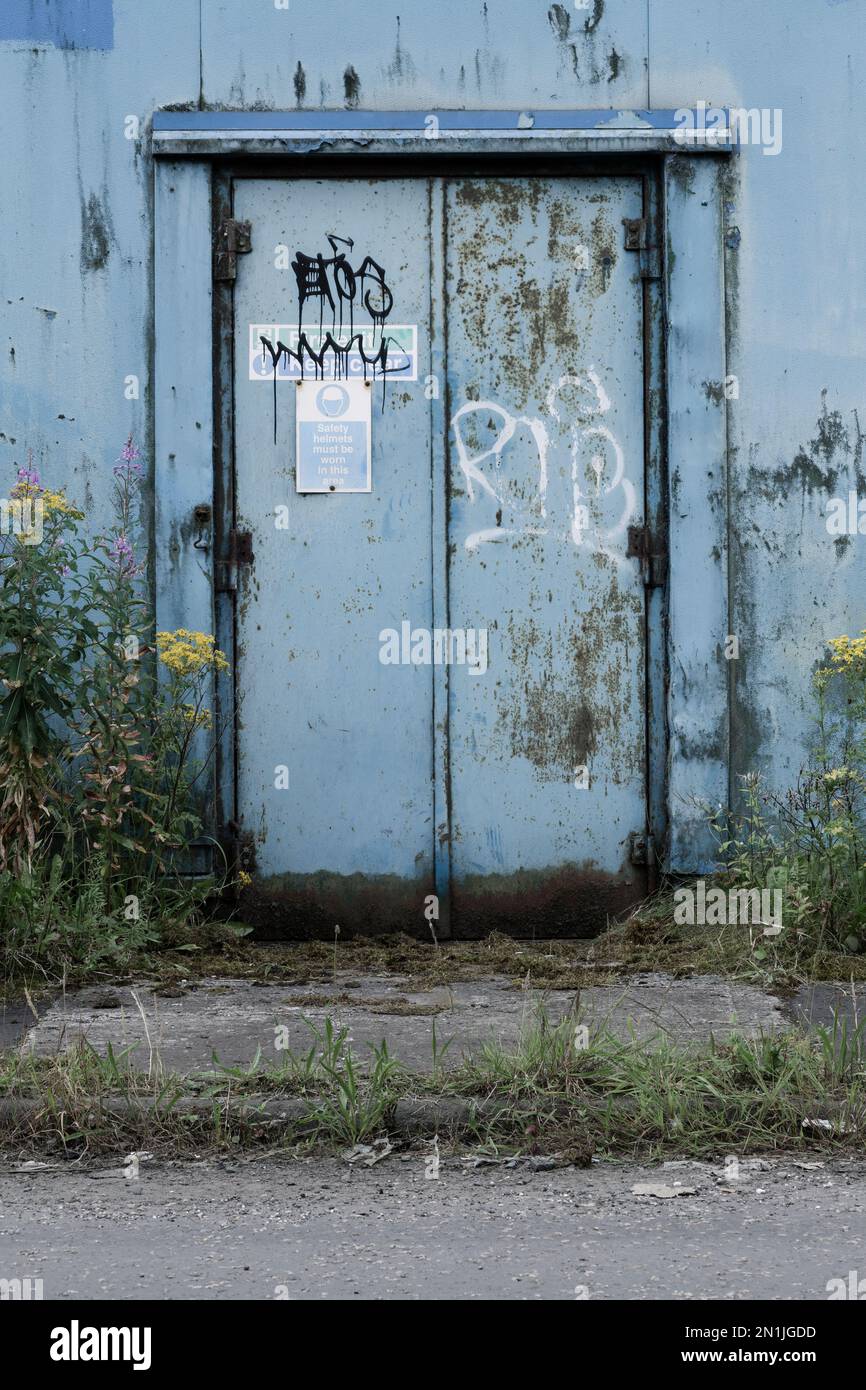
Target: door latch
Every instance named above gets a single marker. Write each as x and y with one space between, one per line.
202 516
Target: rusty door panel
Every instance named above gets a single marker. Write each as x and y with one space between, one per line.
545 388
507 479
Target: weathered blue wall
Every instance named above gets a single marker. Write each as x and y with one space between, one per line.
796 292
76 243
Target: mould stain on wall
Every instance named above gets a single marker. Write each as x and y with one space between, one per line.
96 233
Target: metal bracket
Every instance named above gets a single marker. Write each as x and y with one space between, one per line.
240 553
233 239
641 848
635 233
637 239
238 846
652 554
637 849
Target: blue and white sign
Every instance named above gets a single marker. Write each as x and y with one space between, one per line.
333 436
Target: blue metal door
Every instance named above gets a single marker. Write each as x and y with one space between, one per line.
545 374
334 767
441 681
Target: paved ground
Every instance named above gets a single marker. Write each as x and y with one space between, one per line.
313 1229
235 1018
323 1230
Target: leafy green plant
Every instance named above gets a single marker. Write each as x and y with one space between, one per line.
438 1051
44 628
809 842
356 1102
99 758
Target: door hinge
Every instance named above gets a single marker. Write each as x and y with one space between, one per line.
641 848
637 239
635 233
233 239
652 554
240 552
238 846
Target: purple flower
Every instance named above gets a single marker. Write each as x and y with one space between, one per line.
30 477
127 464
122 554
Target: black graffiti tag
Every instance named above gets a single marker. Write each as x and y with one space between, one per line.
320 278
337 287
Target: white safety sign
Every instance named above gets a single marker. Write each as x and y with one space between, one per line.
333 436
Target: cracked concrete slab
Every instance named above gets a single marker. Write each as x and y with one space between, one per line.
817 1005
235 1019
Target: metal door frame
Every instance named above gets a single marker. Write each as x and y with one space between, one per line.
200 157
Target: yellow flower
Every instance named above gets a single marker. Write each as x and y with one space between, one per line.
58 502
187 653
244 879
51 501
199 719
849 653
